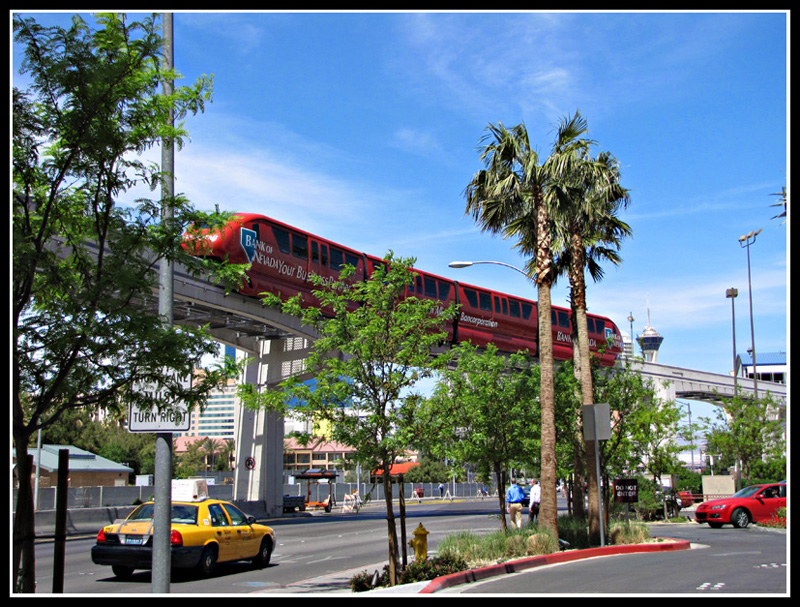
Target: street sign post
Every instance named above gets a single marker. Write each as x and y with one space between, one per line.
597 427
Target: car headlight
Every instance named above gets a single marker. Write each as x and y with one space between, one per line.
721 507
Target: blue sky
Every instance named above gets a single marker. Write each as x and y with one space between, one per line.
364 128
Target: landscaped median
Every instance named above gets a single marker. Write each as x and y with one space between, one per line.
483 573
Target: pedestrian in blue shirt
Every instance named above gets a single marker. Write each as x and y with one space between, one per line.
514 498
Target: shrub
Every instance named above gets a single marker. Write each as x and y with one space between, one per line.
430 569
541 543
776 521
628 533
364 581
574 531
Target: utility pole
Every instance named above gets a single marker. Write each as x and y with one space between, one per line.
162 513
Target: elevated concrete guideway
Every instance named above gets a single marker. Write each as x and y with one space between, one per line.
704 386
277 345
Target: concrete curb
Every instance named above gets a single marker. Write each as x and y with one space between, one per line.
476 575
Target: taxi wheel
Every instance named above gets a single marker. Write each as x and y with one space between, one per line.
122 572
207 561
264 555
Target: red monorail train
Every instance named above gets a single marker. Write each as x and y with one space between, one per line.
282 258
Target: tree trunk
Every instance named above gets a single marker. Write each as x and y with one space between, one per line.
390 524
500 475
578 282
578 493
24 565
548 513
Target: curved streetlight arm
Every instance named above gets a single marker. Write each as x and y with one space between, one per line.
467 264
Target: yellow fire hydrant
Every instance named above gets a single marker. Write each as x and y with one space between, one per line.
420 543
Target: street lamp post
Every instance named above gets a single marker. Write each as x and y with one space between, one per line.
732 294
746 241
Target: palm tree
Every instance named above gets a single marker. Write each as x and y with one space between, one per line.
589 231
515 195
210 447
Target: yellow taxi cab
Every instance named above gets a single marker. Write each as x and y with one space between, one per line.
204 532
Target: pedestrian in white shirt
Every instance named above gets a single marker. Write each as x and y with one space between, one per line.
533 506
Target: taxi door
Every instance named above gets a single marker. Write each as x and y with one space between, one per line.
224 533
245 539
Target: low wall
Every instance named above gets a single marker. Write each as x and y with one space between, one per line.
90 508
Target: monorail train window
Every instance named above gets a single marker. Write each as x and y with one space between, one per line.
430 287
376 265
590 324
444 290
599 325
472 297
526 310
560 318
351 259
486 301
501 304
337 259
282 238
299 246
319 253
514 310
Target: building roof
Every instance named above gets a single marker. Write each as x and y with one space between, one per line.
318 445
78 460
763 358
396 469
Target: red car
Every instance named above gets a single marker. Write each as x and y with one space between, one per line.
750 505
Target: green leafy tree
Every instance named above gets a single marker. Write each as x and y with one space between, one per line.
83 263
366 362
428 471
748 431
485 411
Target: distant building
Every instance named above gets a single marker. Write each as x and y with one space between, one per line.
770 366
85 469
218 419
318 453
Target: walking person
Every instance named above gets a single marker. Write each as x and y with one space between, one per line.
533 505
514 498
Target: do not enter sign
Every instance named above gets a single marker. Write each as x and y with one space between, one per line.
626 490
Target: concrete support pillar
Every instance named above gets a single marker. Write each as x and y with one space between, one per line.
259 451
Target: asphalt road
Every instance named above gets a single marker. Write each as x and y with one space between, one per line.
309 550
318 554
721 561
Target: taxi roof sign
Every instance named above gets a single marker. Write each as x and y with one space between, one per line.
189 490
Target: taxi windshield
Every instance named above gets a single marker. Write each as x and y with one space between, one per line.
181 513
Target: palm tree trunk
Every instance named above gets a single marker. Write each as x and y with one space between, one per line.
578 282
548 514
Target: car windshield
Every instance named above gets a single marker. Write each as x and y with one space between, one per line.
748 491
181 513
